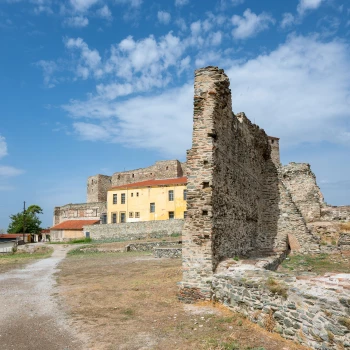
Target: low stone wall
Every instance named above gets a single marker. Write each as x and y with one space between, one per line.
135 230
312 311
330 213
148 246
167 252
344 241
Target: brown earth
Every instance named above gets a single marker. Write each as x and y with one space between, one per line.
128 301
23 256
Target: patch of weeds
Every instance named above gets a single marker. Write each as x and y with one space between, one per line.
345 226
344 321
128 312
276 287
334 242
225 319
240 323
176 234
236 258
269 322
330 336
214 344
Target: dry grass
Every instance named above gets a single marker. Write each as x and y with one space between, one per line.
276 287
345 226
129 301
9 261
320 264
345 322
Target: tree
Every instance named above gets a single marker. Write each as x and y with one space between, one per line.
32 221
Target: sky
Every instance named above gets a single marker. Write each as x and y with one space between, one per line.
98 86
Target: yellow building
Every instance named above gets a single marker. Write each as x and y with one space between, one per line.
147 200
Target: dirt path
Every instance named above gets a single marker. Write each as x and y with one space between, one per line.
30 317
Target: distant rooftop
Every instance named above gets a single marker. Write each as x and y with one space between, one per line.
152 183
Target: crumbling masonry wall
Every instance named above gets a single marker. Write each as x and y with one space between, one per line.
233 196
80 211
300 181
237 204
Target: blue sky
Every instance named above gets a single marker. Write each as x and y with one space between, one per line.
99 86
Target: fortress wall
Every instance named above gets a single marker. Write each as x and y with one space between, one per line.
232 201
300 181
165 169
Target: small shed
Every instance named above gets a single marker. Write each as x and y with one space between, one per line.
69 230
7 237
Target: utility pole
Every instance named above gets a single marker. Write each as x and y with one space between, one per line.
24 220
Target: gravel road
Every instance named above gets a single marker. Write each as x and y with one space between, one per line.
30 317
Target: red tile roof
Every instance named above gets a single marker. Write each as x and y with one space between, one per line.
152 183
12 235
74 224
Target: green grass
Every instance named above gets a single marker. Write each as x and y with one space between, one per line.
75 241
319 263
24 255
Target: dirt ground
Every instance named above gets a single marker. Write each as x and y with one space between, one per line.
23 257
128 301
30 317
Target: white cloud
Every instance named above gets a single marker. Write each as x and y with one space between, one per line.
181 2
164 17
160 122
250 24
76 21
287 20
90 60
131 3
300 92
83 5
104 12
306 5
3 146
9 171
49 68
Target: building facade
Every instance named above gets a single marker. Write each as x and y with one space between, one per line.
149 200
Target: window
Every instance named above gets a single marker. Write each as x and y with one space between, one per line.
171 195
122 217
123 198
185 214
137 214
152 207
137 194
131 214
115 199
185 195
114 218
132 194
171 215
104 219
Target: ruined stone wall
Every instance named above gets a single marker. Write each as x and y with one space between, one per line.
300 181
232 201
332 213
81 211
275 150
97 187
165 169
311 311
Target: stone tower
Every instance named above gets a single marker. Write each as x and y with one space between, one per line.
97 187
